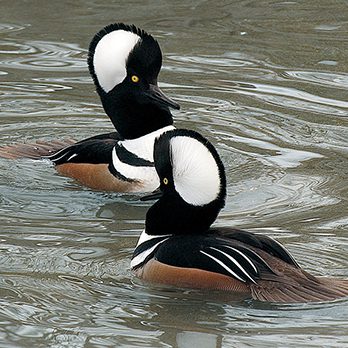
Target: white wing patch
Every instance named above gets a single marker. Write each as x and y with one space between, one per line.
233 265
244 256
228 269
71 157
110 57
146 175
195 172
236 263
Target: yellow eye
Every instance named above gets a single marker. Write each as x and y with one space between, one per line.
135 78
165 181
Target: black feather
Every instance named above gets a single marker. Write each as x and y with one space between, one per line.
96 150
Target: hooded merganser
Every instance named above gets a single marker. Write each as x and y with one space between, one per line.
179 248
124 62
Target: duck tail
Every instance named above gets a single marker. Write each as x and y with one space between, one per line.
36 150
311 289
337 285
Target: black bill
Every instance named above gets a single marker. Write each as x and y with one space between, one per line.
153 195
155 94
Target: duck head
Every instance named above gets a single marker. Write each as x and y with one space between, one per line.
192 184
124 62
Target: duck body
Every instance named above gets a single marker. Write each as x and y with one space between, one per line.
245 264
180 248
124 62
108 162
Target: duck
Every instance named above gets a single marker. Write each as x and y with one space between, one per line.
180 248
124 62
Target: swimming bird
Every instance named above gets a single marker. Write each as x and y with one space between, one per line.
178 246
124 62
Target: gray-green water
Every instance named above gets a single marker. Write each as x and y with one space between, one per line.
266 81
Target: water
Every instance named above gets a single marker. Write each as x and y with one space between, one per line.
266 81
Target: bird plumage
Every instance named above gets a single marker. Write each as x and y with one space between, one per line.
179 248
124 62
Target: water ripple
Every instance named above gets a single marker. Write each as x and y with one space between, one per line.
214 61
9 27
330 79
289 98
17 90
43 56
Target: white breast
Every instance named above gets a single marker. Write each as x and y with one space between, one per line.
143 148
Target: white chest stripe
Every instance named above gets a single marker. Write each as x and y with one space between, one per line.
139 259
144 237
147 175
143 146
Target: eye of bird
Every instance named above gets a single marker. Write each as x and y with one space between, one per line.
135 78
165 181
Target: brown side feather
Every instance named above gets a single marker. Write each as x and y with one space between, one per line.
98 177
157 272
35 150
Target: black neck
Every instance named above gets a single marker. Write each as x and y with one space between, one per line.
133 120
171 215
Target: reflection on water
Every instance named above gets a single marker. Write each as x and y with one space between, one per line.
265 81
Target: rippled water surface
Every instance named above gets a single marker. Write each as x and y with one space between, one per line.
266 81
